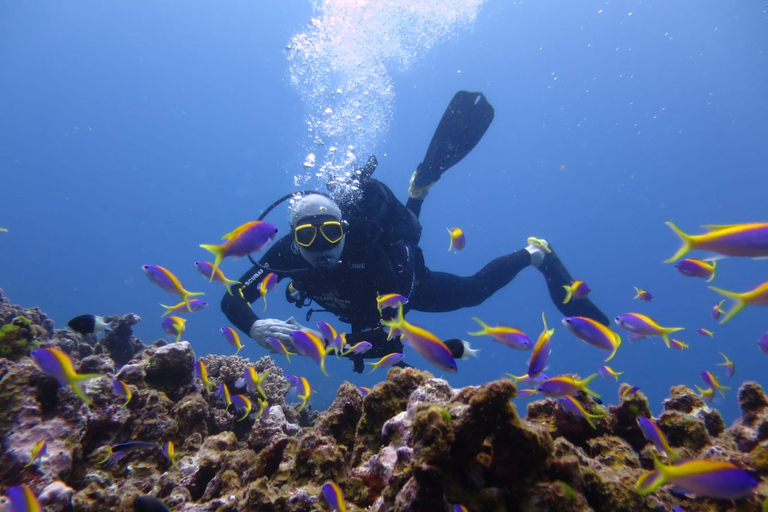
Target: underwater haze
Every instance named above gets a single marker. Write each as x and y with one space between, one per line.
133 132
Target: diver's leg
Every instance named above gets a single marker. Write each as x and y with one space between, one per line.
557 277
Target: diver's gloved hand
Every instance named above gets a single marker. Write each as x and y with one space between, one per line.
278 329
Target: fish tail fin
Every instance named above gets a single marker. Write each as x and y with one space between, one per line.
685 238
450 245
217 251
186 297
484 326
304 400
78 386
514 378
322 365
585 384
264 298
673 455
568 294
375 367
666 331
714 270
168 310
637 292
738 297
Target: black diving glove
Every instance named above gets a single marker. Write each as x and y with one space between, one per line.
381 346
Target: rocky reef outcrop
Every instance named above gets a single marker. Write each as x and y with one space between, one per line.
412 444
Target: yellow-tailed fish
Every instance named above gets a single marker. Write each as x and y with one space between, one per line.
170 453
565 385
594 333
206 268
574 407
263 405
706 394
267 284
576 290
458 241
241 403
643 295
608 372
705 332
390 300
22 499
308 344
705 478
693 267
252 381
717 310
122 390
165 279
335 498
755 297
653 433
642 325
174 325
37 452
181 307
279 347
305 392
57 364
540 355
247 238
711 381
509 336
232 338
749 240
422 341
224 395
677 344
201 372
387 360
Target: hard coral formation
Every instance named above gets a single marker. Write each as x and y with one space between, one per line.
412 444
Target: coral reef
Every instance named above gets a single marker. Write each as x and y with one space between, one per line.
412 444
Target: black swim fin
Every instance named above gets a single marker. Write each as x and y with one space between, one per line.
463 124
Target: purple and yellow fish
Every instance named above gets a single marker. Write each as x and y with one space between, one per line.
170 453
224 394
594 333
335 498
241 403
526 393
308 344
201 372
706 394
653 434
305 392
122 390
461 508
509 336
250 237
364 390
267 285
358 348
528 380
181 307
573 407
755 297
730 367
608 372
206 268
711 381
232 338
563 385
540 355
252 381
677 344
390 300
174 325
163 278
278 347
762 343
57 364
643 295
641 325
458 241
705 332
693 267
750 240
22 499
717 310
705 478
37 452
387 360
576 290
422 341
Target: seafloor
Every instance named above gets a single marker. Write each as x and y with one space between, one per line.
412 444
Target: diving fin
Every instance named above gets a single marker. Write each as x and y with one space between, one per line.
463 124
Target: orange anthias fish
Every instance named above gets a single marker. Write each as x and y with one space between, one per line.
243 240
755 297
457 239
749 240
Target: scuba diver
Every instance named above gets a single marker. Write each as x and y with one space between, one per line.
343 254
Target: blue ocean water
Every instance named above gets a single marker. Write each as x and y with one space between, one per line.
134 131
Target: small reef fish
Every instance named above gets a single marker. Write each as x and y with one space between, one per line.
705 478
359 348
705 332
576 290
608 372
114 454
3 230
642 325
163 278
458 241
527 380
387 360
89 324
390 300
422 341
232 338
122 390
241 403
755 297
509 336
223 393
335 498
293 384
717 310
706 394
339 343
677 344
149 504
643 295
22 499
594 333
206 268
526 393
462 508
653 434
174 325
328 332
693 267
278 347
249 237
181 307
267 285
308 344
730 368
170 453
711 381
57 364
750 240
563 385
38 451
629 390
538 361
574 408
364 390
762 343
201 372
305 391
252 381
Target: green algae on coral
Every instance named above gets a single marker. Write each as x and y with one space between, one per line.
17 337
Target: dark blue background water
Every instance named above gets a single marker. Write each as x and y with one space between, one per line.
133 131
